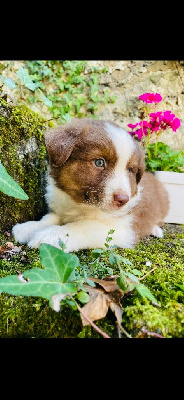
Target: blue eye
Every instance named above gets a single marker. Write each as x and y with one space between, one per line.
99 162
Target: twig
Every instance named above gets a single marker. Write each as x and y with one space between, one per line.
147 273
118 329
92 323
125 332
144 330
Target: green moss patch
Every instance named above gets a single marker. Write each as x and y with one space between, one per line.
32 317
23 154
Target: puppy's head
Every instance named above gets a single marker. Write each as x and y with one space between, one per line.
95 162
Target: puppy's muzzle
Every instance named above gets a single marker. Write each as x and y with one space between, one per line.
120 199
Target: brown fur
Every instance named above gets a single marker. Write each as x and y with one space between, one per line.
72 149
136 165
152 208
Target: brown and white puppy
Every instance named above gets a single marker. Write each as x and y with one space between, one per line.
96 183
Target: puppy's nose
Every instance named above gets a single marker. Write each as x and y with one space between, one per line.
121 199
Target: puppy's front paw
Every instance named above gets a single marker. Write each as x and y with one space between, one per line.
24 232
49 235
157 231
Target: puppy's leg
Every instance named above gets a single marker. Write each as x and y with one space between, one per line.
157 231
76 235
24 232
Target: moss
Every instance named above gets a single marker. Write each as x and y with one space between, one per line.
167 255
169 321
23 154
32 317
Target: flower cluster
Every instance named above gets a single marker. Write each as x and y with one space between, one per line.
151 97
157 121
158 156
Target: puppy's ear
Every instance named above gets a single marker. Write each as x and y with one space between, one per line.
60 142
141 162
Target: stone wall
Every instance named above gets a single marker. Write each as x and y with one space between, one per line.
128 79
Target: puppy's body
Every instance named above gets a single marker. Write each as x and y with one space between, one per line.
96 183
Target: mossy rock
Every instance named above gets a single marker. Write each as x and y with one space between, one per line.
28 317
23 154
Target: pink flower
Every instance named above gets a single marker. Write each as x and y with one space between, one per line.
175 124
163 120
151 97
158 121
132 126
143 130
155 121
139 133
168 116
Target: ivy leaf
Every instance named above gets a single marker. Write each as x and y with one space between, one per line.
67 117
45 99
9 186
54 259
25 78
50 282
8 82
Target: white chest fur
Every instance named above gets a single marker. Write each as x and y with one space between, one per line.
92 219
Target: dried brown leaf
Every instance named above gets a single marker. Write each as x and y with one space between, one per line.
109 285
9 251
106 294
9 245
97 307
117 310
7 234
2 249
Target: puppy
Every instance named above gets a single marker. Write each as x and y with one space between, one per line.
96 182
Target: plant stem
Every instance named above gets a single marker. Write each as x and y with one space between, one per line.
125 332
92 323
147 273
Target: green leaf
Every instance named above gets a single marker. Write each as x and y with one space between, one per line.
50 282
97 253
67 117
9 186
25 78
180 286
111 231
145 292
121 281
112 259
8 82
119 259
137 272
45 99
56 260
83 297
90 283
132 277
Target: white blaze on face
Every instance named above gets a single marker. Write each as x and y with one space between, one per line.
119 179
